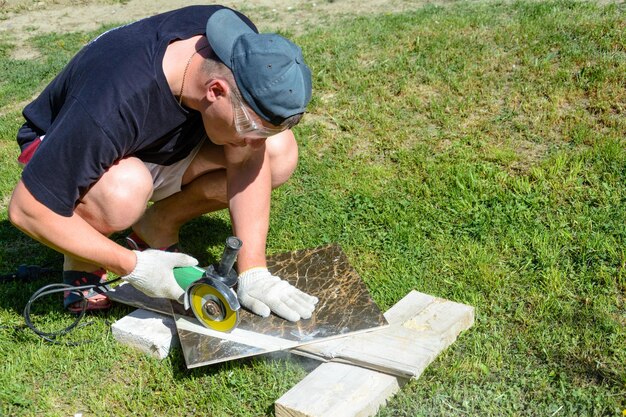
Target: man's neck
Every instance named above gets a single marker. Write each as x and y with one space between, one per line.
180 66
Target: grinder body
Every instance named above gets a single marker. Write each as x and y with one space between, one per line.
209 292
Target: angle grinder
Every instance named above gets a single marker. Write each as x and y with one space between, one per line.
209 292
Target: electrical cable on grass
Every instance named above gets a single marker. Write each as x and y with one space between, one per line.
57 288
33 272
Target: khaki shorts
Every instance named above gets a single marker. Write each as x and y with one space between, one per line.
167 180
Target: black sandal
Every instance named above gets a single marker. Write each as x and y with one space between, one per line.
133 241
95 297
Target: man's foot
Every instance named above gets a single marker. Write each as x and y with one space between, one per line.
95 297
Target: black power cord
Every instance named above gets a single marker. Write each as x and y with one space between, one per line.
53 289
33 272
56 288
25 273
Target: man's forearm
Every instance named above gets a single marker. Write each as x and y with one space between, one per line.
69 235
249 193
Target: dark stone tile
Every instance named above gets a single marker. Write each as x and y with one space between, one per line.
345 307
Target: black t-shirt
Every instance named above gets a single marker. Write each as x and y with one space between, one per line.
112 101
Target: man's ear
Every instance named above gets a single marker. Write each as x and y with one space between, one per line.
216 88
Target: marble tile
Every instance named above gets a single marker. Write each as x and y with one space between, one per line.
345 307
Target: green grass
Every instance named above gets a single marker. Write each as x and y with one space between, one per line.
475 152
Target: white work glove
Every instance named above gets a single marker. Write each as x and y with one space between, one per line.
154 276
262 292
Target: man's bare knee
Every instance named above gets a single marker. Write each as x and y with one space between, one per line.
118 198
283 152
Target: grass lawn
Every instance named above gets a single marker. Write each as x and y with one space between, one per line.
475 152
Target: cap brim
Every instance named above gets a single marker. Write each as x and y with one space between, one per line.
223 28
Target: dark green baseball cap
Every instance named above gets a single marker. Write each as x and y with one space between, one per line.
269 70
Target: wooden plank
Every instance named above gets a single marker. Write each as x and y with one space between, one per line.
422 327
337 390
350 385
396 352
408 307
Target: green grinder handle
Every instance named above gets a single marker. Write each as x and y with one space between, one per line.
185 276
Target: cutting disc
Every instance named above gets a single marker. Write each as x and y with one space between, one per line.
212 309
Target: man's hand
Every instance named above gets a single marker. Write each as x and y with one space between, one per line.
154 276
262 292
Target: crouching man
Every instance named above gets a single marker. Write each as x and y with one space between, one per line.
190 109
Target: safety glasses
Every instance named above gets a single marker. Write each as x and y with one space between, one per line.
244 122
